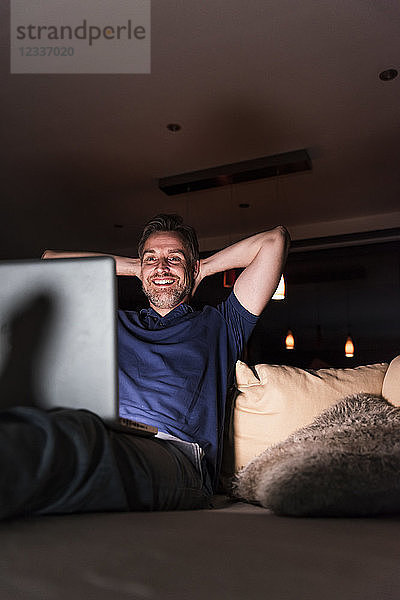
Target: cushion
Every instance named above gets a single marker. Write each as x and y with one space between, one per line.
346 463
283 399
391 382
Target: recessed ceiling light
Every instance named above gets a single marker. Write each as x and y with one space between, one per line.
388 74
174 127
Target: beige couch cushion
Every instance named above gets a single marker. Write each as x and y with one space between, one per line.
285 398
391 383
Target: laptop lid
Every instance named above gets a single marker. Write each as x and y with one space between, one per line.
58 344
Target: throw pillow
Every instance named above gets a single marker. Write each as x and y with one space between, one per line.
346 463
391 383
281 399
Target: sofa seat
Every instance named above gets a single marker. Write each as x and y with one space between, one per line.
237 552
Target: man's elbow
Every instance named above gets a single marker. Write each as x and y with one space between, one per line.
276 245
279 237
283 232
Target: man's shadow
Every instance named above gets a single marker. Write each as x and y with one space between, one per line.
23 339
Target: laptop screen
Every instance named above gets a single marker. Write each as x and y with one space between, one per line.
58 334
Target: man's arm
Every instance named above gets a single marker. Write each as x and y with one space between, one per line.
124 264
262 256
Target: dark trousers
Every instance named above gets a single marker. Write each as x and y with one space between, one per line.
67 461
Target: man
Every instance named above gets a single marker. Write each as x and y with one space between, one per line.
175 365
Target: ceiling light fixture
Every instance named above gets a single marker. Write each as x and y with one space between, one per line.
248 170
349 348
289 340
174 127
279 293
388 74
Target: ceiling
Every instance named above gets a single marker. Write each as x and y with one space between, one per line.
82 154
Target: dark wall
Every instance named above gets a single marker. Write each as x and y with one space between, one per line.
330 293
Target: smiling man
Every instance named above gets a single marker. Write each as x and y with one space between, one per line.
167 275
175 366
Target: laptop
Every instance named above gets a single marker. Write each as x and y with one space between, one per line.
58 337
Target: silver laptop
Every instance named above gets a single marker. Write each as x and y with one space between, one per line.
58 338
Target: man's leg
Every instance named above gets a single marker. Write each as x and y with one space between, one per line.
157 475
68 461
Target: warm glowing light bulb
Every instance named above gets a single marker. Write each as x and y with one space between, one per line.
289 341
349 348
280 290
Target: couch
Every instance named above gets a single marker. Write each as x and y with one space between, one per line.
235 550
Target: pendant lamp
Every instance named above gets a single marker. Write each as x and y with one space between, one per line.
349 348
289 341
280 290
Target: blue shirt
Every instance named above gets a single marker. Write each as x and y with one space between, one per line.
174 371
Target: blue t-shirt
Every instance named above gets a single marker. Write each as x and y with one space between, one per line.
174 371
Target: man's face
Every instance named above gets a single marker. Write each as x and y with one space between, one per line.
165 272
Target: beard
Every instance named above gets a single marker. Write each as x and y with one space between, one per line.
169 297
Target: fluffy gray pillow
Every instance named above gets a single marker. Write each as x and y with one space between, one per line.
346 463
